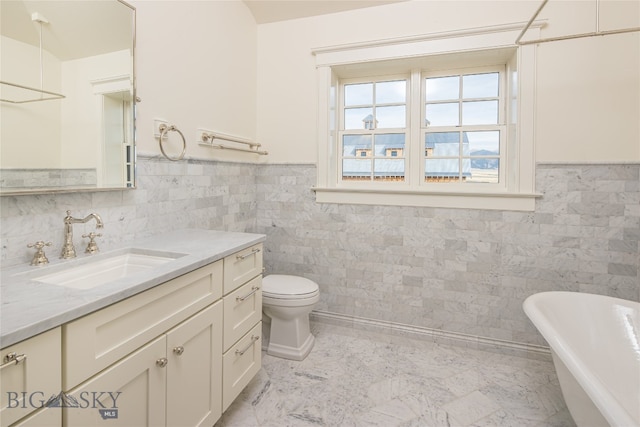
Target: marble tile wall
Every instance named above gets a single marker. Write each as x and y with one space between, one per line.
170 196
47 178
465 271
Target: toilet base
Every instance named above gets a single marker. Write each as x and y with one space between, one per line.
293 353
288 339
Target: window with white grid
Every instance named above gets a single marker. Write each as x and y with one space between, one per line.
429 121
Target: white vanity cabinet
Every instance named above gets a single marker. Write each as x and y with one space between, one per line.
96 341
176 355
27 385
174 380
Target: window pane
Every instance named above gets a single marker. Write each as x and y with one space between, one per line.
356 169
442 144
480 113
391 92
355 145
485 170
389 170
441 170
482 143
389 143
442 114
359 118
391 117
480 85
358 94
442 88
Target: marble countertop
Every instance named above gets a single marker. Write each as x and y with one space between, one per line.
29 307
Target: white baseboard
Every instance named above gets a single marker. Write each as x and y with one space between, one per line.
435 335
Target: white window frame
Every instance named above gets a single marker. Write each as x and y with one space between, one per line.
501 127
342 131
336 63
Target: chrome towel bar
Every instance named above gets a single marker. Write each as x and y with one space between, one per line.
209 137
245 150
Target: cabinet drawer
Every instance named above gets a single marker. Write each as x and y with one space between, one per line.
240 364
37 377
242 310
241 267
97 340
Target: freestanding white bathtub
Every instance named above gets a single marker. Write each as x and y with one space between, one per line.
595 344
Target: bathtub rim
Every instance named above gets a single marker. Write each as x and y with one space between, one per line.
612 410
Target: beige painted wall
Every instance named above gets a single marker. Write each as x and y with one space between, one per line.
19 138
196 67
588 94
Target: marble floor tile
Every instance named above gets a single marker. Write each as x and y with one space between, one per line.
360 378
470 408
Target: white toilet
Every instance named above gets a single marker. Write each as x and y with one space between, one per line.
286 304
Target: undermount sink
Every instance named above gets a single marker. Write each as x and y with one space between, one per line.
107 269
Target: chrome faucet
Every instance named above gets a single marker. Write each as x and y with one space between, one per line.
68 250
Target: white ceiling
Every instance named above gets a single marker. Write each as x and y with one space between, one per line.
76 29
265 11
73 23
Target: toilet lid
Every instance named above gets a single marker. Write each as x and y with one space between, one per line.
285 286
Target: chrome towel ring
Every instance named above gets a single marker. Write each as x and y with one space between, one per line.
164 129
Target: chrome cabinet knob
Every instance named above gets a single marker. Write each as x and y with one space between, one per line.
162 362
178 350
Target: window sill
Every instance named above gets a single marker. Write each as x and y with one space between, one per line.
492 201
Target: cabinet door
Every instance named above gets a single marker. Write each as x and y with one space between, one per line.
242 310
47 417
27 385
130 393
194 371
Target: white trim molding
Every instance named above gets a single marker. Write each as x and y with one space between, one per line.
490 37
440 336
490 201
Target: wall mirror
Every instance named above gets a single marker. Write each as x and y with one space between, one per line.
67 96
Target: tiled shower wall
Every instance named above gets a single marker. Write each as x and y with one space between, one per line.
465 271
457 270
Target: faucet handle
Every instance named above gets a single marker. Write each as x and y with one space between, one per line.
39 258
92 246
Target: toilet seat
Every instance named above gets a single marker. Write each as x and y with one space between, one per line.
282 286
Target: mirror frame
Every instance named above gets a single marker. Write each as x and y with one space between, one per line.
135 101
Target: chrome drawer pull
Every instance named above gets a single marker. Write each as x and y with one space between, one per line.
254 289
178 350
162 362
253 252
13 359
243 351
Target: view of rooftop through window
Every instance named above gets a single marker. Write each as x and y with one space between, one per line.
461 134
367 151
